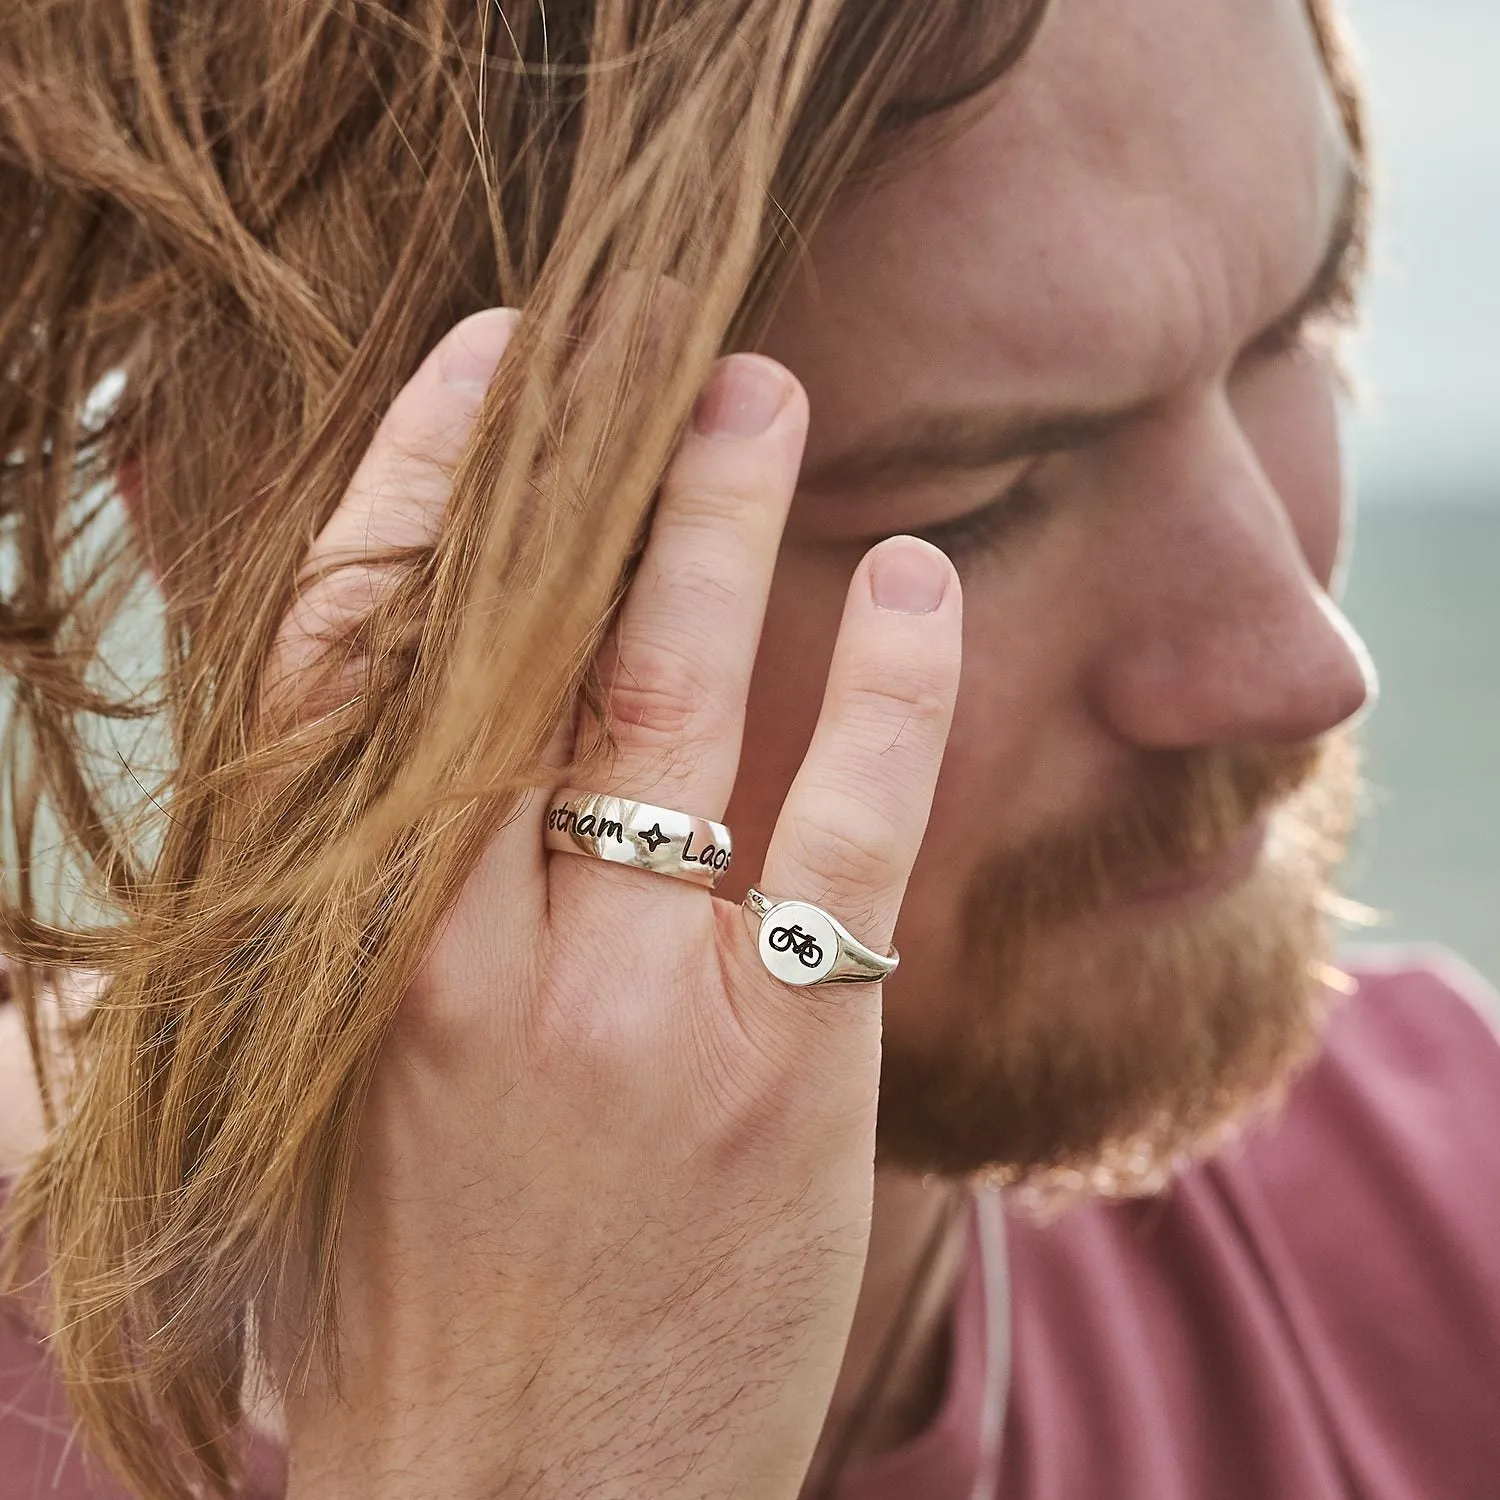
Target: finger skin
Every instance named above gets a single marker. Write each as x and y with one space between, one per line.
678 666
852 824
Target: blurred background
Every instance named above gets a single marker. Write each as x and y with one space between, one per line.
1426 443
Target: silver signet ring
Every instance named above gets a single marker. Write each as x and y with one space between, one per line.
637 834
801 944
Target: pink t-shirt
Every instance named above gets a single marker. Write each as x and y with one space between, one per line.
1314 1314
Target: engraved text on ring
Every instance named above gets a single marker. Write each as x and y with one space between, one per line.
588 826
567 820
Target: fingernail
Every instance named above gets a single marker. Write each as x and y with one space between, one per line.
908 577
742 397
471 353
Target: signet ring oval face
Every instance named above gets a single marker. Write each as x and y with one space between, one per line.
801 944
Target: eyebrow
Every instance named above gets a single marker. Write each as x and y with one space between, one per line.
927 444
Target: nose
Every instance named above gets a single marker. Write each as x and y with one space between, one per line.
1218 632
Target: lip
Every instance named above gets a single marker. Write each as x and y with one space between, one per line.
1202 882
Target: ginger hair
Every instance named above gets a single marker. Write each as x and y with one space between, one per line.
232 230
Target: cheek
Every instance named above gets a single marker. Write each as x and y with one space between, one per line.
1289 412
791 668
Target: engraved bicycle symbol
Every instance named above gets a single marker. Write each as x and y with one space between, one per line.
793 940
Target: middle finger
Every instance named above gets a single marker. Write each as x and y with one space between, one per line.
676 671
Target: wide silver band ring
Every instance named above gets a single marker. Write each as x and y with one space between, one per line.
801 944
639 835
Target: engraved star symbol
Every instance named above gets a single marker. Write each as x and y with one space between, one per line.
653 838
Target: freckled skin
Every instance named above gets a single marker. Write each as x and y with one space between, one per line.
1151 189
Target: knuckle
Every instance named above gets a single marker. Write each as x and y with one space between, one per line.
708 583
660 692
714 502
881 793
901 691
847 844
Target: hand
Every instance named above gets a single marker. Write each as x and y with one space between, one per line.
614 1184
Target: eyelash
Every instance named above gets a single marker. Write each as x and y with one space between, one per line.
1321 330
983 529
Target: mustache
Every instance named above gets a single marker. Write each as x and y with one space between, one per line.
1184 808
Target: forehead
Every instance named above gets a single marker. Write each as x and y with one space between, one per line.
1152 184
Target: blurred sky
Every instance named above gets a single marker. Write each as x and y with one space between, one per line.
1432 426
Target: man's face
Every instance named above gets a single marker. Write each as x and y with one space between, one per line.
1058 345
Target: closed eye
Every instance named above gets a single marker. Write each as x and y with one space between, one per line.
1319 333
1315 329
986 528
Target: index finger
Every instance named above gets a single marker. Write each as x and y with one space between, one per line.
396 499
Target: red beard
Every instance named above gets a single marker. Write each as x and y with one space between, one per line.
1095 1053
